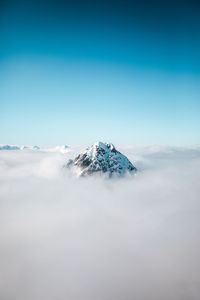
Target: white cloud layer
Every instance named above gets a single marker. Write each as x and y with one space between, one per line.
93 239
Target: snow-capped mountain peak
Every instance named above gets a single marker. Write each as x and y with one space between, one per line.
101 157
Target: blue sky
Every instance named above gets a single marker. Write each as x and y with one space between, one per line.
72 74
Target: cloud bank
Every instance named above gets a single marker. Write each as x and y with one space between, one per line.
67 238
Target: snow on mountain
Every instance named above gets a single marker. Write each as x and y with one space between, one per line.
101 157
9 147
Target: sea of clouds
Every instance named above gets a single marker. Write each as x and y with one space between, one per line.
63 238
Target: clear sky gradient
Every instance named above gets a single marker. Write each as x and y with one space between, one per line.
120 71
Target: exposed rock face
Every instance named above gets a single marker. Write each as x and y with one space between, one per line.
101 157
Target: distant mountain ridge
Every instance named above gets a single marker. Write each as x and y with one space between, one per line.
9 147
61 149
30 148
15 147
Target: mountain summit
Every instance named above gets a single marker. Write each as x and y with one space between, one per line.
101 157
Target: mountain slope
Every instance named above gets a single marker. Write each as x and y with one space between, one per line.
103 158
